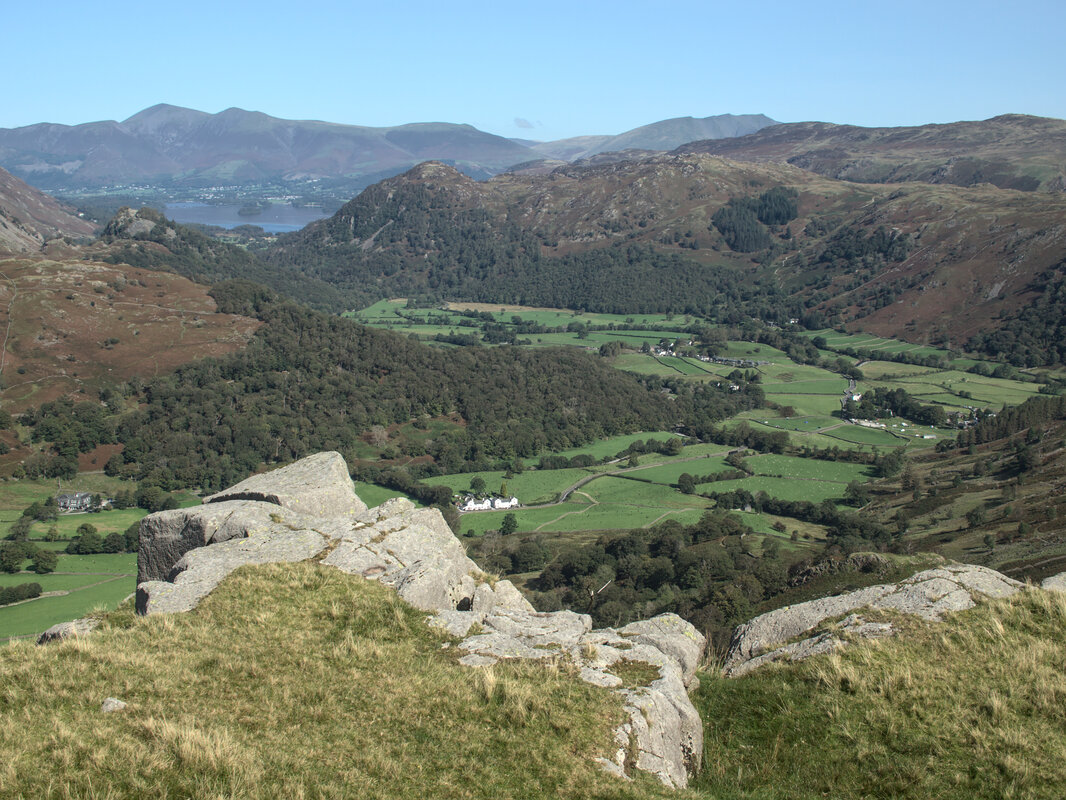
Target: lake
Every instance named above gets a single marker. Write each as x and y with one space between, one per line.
276 219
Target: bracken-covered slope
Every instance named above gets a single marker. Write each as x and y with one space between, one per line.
73 324
644 236
28 217
1013 151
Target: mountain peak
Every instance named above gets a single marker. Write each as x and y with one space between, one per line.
163 115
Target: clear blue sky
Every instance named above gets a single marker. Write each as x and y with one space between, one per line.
542 70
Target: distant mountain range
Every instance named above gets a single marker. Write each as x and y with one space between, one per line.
171 146
1013 151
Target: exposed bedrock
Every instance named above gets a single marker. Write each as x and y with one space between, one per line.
790 633
310 509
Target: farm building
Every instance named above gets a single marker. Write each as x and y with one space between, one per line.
79 501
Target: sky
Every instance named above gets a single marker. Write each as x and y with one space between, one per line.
545 70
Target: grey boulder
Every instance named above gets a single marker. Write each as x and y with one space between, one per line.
929 595
66 630
318 485
1056 583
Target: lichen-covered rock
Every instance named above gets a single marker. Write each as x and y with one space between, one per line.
168 535
414 552
673 636
201 570
112 704
1056 583
929 595
318 485
65 630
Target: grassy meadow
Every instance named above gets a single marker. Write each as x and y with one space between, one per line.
967 709
278 666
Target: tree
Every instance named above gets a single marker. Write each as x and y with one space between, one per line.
12 554
686 483
509 524
891 464
528 557
44 561
132 535
856 494
20 529
975 516
114 543
477 484
1025 458
86 542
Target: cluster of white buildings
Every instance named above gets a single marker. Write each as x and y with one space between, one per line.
470 503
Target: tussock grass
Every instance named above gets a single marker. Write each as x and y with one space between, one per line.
295 681
974 708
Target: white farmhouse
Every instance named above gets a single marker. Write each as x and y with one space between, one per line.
473 504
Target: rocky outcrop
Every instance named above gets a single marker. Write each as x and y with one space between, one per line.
309 509
790 633
65 630
1056 583
319 485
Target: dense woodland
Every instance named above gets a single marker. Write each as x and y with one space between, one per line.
410 240
1037 335
706 572
309 381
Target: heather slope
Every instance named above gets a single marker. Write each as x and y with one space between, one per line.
1013 151
28 217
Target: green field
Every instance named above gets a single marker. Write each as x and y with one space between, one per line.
608 448
790 489
375 495
816 404
91 582
749 351
105 522
809 468
620 491
946 386
50 582
876 370
669 473
857 434
611 517
15 495
531 487
643 365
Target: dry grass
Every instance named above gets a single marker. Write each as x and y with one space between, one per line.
294 681
974 708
